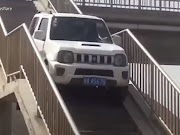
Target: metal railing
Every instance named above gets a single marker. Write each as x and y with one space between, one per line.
159 91
158 5
19 53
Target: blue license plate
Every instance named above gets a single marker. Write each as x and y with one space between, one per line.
91 81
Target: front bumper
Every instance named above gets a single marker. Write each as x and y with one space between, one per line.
74 73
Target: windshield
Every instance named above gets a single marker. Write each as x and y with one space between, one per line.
79 29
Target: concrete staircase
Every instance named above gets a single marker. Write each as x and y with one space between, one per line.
97 114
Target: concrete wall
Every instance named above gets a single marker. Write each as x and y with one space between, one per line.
133 15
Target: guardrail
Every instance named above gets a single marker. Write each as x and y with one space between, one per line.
19 53
159 91
158 5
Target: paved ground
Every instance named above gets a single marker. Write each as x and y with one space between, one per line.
19 127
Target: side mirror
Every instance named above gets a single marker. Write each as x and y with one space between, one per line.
117 40
39 34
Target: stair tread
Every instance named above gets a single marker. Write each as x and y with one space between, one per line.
111 132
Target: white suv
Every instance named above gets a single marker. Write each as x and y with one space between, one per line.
78 50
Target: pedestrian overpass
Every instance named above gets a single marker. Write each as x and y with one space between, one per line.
152 107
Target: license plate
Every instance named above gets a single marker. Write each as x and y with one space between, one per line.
94 81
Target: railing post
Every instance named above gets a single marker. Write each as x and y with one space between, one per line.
139 4
83 3
160 5
152 86
111 3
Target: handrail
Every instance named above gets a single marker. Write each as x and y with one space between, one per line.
52 105
76 7
52 84
149 56
157 88
52 6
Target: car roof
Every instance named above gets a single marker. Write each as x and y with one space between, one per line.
67 15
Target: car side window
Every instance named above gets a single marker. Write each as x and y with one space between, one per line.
43 25
33 25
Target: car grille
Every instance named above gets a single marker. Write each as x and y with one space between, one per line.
93 59
108 73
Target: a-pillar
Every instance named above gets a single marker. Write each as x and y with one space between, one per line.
5 117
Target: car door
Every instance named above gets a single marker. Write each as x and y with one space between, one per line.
43 27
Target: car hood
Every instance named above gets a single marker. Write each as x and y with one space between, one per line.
54 46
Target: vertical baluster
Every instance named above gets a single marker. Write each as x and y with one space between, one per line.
175 111
155 89
111 3
164 107
155 4
166 102
152 84
149 79
137 67
178 113
146 77
142 79
160 4
141 72
161 95
131 59
139 4
159 88
168 106
171 103
135 52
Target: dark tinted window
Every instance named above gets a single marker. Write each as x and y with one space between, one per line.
33 25
79 29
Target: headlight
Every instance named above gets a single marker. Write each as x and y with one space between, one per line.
65 57
120 60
